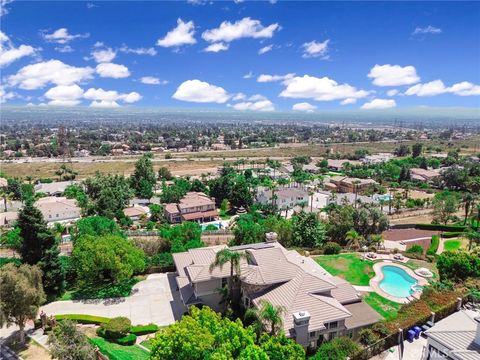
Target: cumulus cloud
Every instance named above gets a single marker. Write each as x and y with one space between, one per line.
111 70
103 104
271 78
138 51
437 87
393 75
304 106
348 101
316 49
151 80
392 92
61 36
200 92
265 49
379 104
181 35
427 30
103 55
216 47
9 53
260 105
239 96
320 89
38 75
6 95
109 98
64 49
64 95
244 28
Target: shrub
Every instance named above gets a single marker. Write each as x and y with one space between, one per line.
83 319
440 227
127 340
433 245
331 248
337 349
117 327
457 266
144 329
415 249
367 337
452 234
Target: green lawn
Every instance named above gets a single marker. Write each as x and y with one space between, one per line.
147 344
348 266
119 352
452 245
122 289
388 309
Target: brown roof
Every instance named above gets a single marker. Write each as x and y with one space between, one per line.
362 315
134 211
193 199
200 215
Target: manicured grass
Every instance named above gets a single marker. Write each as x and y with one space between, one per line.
84 319
452 245
147 344
119 352
121 289
348 266
388 309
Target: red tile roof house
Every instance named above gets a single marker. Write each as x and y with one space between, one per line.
318 306
195 206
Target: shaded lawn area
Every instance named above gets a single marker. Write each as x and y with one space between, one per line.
119 352
452 245
349 267
388 309
122 289
31 349
147 344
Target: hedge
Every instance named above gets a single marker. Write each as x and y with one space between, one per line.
83 319
440 227
452 234
144 329
432 250
127 340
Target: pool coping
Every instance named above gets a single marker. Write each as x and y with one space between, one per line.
375 281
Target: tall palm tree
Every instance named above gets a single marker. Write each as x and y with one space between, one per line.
353 238
225 256
355 187
267 317
467 204
7 198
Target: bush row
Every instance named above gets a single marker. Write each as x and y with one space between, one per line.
452 234
432 250
440 227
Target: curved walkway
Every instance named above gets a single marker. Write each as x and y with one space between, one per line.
154 300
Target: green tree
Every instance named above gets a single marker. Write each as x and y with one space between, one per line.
107 258
65 173
156 212
337 349
353 239
457 266
444 208
280 347
143 178
240 194
22 295
164 173
267 317
308 231
95 226
53 273
66 342
417 149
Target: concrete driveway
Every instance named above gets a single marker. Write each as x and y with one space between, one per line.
154 300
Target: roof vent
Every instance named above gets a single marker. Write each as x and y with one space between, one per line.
271 237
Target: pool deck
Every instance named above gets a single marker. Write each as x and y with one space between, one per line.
375 281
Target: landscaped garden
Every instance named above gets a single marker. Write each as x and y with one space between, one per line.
452 245
388 309
349 266
119 352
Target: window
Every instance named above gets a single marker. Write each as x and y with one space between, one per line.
333 335
224 282
312 334
333 325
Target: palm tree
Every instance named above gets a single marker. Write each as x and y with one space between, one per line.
7 198
228 256
353 238
467 203
355 187
267 317
376 239
473 237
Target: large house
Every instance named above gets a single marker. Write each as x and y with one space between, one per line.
56 188
457 337
58 209
424 175
286 197
345 184
194 206
318 306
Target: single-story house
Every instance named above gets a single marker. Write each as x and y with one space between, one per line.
58 209
56 188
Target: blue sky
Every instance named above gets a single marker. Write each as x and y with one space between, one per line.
302 56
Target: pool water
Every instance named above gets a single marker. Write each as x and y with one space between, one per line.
397 282
215 224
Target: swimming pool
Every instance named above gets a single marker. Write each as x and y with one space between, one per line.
217 225
396 282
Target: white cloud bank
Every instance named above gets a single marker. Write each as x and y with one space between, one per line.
393 75
64 95
427 30
200 92
437 87
9 53
379 104
244 28
304 106
151 80
316 49
217 47
263 78
259 105
61 36
103 55
181 35
111 70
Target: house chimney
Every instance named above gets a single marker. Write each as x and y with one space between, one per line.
477 334
301 321
271 237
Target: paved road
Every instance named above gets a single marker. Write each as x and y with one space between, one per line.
154 300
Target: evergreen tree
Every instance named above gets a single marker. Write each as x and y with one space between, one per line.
143 179
53 273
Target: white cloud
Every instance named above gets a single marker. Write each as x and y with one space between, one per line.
320 89
392 92
245 28
379 104
103 104
427 30
6 95
103 98
64 49
437 87
103 55
111 70
3 7
265 49
248 75
64 95
257 97
9 53
61 36
38 75
200 92
271 78
138 51
261 105
216 47
316 49
393 75
239 96
304 106
151 80
348 101
181 35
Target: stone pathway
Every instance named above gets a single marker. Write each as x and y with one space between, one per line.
363 288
